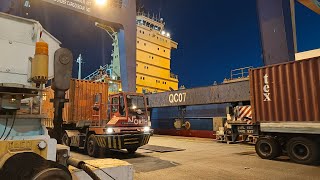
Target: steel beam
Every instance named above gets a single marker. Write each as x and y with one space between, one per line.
223 93
277 30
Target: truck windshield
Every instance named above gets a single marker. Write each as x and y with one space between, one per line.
136 104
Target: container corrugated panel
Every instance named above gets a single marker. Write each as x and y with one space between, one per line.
81 97
47 107
286 92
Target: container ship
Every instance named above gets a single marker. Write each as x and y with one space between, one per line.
153 75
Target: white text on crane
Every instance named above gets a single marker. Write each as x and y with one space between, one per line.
177 97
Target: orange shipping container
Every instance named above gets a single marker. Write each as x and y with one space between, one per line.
288 92
82 97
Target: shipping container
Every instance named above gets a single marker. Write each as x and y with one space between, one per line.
83 96
285 104
286 92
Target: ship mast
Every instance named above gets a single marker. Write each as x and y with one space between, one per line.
79 61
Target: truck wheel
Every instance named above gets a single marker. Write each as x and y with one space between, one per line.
92 146
65 139
132 150
302 150
268 148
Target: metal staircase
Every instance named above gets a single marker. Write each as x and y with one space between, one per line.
96 73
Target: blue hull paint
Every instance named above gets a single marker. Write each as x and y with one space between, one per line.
200 117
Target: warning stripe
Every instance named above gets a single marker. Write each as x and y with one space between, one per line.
245 111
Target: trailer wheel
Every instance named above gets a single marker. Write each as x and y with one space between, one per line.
268 148
302 150
92 146
132 150
65 139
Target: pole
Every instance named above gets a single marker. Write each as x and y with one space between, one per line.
79 61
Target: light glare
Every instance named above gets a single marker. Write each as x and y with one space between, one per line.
109 130
101 2
146 129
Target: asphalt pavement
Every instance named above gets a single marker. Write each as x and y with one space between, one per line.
207 159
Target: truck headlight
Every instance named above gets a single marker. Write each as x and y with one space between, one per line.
146 129
109 130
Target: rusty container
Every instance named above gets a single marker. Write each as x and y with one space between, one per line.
288 92
84 96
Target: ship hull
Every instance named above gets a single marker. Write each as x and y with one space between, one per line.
200 118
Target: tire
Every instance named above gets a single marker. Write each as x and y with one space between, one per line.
92 146
302 150
268 148
65 140
132 150
28 165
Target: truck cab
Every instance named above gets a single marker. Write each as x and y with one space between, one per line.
127 126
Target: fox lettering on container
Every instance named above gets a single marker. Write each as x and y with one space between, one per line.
266 88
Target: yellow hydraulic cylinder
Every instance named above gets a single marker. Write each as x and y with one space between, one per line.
39 69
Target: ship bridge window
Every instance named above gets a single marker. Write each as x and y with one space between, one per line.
140 21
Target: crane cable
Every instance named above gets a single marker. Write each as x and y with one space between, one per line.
102 171
5 128
14 119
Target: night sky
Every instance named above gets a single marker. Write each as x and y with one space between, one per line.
214 36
